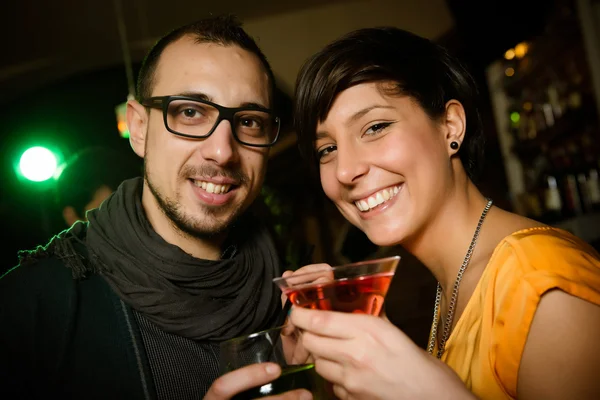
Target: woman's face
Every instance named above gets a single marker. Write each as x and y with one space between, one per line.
384 163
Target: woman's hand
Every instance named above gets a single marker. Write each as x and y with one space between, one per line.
366 357
313 273
294 351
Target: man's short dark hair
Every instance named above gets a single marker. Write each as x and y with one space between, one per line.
224 30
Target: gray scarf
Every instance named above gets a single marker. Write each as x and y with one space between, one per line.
190 297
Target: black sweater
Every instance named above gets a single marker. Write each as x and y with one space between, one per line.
66 338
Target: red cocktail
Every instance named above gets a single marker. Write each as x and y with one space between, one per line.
355 288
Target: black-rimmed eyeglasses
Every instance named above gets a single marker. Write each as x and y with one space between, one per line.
197 119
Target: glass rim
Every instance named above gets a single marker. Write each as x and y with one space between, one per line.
339 267
253 335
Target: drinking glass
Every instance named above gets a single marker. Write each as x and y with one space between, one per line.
281 346
355 288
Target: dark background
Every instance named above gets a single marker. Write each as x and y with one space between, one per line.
73 106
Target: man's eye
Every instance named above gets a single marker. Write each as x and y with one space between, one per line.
190 112
250 123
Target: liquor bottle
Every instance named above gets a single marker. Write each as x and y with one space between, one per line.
553 92
516 118
528 124
539 117
530 201
574 96
589 149
573 199
552 201
575 168
550 111
594 189
584 192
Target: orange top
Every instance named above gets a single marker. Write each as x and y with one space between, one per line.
487 342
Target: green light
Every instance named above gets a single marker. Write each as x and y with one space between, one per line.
38 164
515 117
121 112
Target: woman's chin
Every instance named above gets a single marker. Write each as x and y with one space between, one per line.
384 238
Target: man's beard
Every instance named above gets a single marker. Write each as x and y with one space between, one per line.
197 226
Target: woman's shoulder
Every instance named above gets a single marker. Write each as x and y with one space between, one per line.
548 249
545 234
530 263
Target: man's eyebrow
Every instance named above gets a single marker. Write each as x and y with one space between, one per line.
196 95
253 105
205 97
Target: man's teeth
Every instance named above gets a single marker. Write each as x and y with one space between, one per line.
376 199
212 188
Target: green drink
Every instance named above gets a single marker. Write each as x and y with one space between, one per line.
285 350
292 377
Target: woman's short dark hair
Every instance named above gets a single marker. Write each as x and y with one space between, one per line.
420 68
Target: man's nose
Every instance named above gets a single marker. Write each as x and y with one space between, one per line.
220 147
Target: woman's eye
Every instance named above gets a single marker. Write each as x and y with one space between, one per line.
377 128
324 152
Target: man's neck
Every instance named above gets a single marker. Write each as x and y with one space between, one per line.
206 249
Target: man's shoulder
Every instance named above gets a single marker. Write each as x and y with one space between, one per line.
56 266
37 296
42 274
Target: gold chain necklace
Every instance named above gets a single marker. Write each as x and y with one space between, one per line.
452 305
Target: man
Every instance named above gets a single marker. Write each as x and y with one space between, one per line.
134 303
90 177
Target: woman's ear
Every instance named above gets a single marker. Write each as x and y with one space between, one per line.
137 122
455 124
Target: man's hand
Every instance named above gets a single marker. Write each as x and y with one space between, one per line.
235 382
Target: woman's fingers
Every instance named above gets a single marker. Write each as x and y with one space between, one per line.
314 273
329 323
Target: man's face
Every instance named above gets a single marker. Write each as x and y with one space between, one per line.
203 185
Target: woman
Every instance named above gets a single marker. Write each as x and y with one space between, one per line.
391 122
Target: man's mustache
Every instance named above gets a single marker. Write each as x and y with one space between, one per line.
210 172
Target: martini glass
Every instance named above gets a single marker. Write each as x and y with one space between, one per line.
354 288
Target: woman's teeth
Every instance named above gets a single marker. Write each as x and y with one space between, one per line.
376 199
212 188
